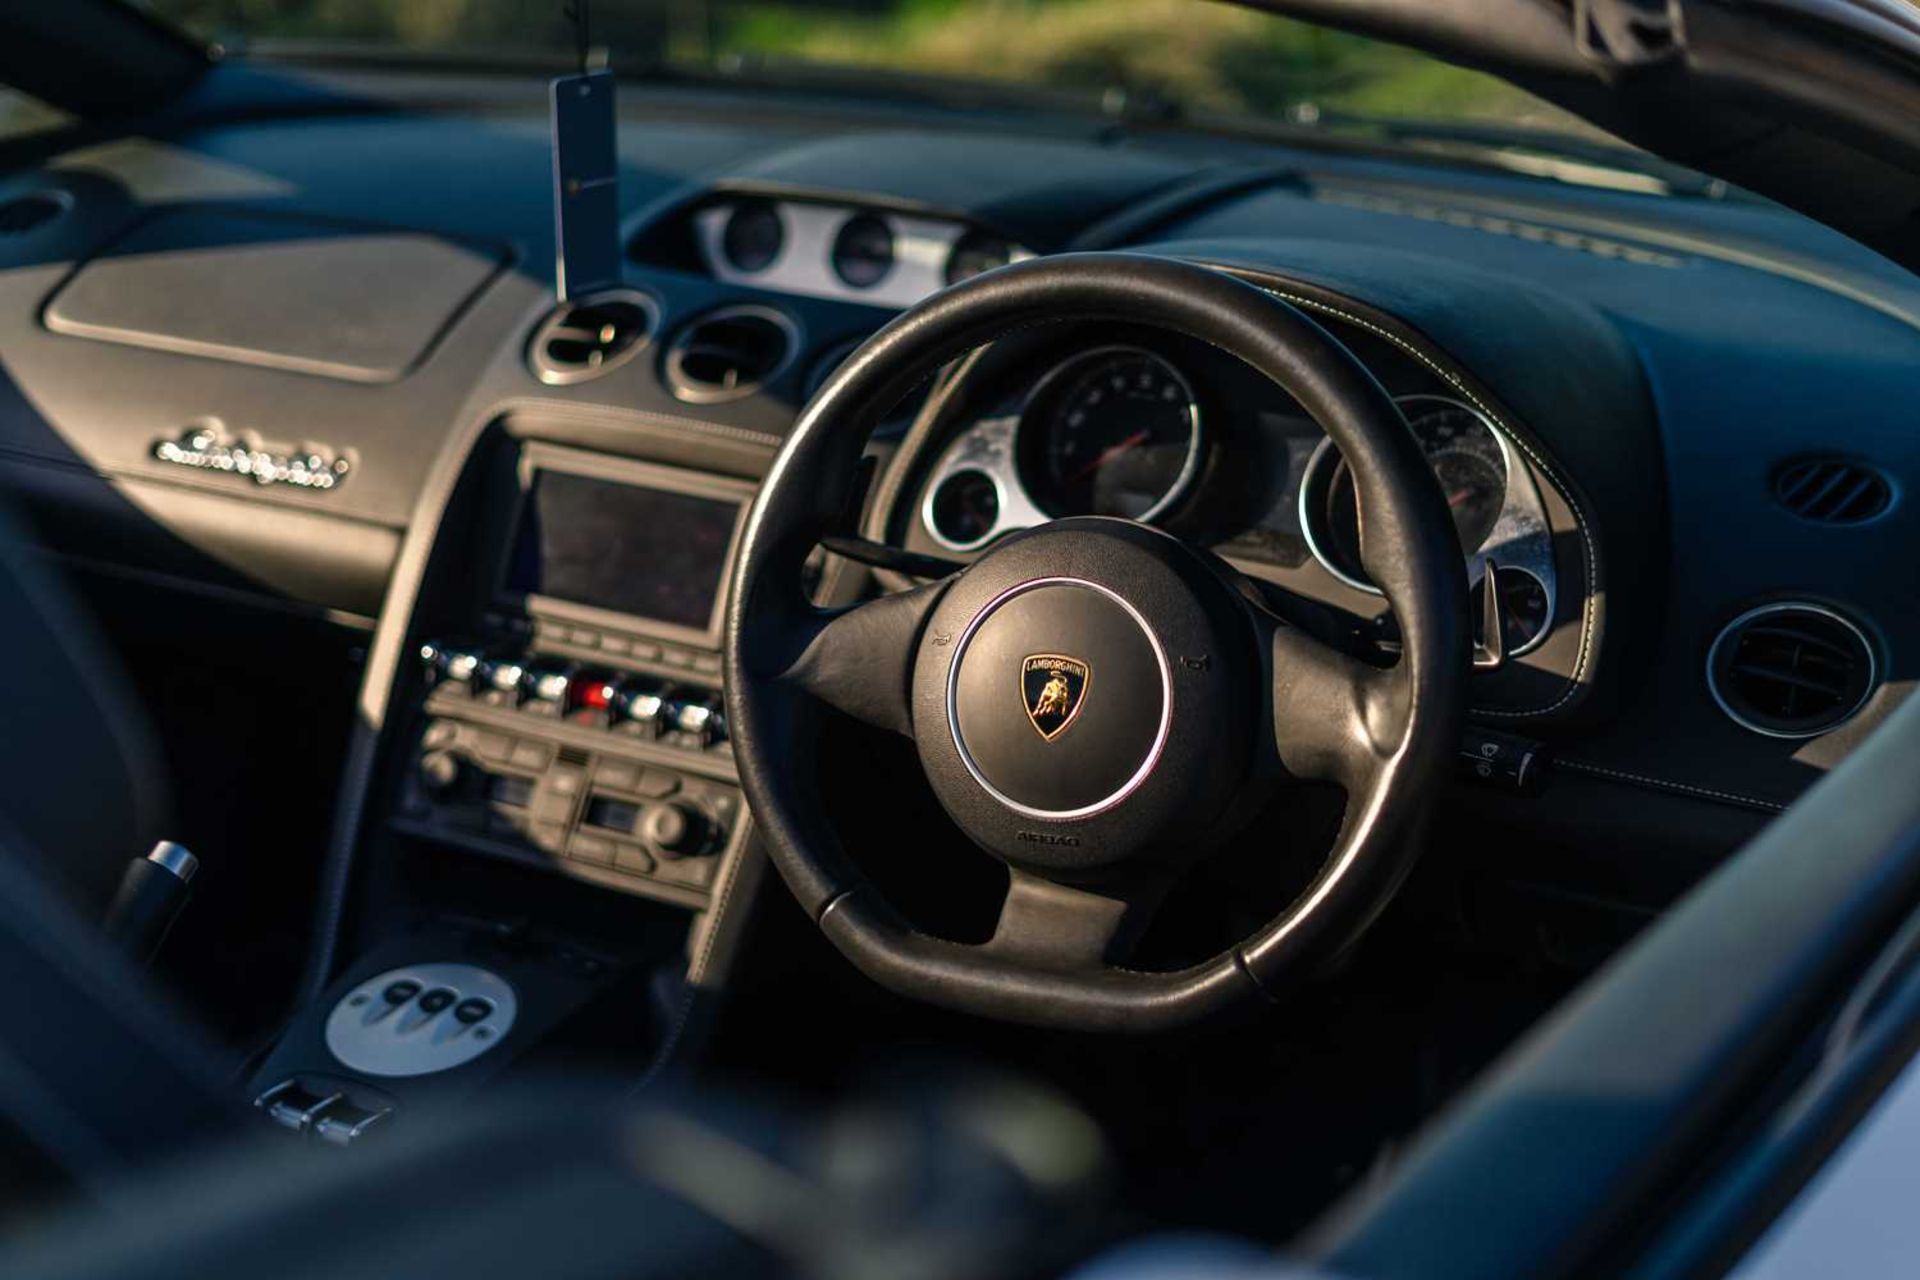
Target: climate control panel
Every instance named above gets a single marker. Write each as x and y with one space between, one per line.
612 774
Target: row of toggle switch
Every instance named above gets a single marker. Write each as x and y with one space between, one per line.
640 705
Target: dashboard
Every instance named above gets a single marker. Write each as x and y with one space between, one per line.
1675 429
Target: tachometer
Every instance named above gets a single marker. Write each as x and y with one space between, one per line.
1114 432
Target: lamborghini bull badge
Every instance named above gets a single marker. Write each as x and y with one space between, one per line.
1053 688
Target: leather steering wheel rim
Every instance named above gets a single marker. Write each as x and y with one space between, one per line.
1308 712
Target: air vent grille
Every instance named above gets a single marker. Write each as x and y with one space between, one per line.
1832 490
1791 670
31 212
593 336
730 353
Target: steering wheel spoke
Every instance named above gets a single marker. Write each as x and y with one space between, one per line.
1049 925
1334 717
859 659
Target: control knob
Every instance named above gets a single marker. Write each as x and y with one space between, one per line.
676 829
441 772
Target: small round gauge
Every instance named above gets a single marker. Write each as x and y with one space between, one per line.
1524 607
965 508
1467 459
974 253
753 235
863 251
1111 433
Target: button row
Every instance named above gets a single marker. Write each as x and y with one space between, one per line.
321 1112
641 705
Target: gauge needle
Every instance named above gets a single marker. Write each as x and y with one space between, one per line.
1113 451
1458 496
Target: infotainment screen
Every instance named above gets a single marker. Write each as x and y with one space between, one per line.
650 553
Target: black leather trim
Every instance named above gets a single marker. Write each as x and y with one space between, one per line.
1584 1131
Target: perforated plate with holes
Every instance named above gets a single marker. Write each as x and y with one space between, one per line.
375 1036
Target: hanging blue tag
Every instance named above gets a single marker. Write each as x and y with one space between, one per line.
586 185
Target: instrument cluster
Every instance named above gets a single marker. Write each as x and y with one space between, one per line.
1114 431
882 257
1127 431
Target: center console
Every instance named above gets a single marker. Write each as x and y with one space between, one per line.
580 729
546 854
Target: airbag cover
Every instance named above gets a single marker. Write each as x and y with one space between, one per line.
1060 697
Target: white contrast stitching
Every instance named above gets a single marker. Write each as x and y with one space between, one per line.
1588 568
699 424
1666 785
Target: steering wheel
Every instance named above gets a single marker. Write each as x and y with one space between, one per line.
1095 702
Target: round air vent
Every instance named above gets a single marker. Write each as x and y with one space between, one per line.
730 353
31 212
592 336
1791 670
1832 490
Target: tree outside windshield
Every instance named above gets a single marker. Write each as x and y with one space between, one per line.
1189 55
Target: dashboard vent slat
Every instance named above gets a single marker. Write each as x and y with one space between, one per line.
592 336
730 353
1791 670
1832 490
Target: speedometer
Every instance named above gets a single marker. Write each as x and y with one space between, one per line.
1467 460
1114 432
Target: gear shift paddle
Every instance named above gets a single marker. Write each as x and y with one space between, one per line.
151 894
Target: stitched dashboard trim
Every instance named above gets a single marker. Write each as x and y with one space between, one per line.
1589 565
1666 784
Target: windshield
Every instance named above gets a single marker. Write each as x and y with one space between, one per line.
1181 59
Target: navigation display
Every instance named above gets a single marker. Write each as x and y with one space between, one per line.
650 553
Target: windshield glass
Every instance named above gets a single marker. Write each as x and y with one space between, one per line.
1190 59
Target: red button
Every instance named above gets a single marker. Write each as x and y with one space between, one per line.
594 695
